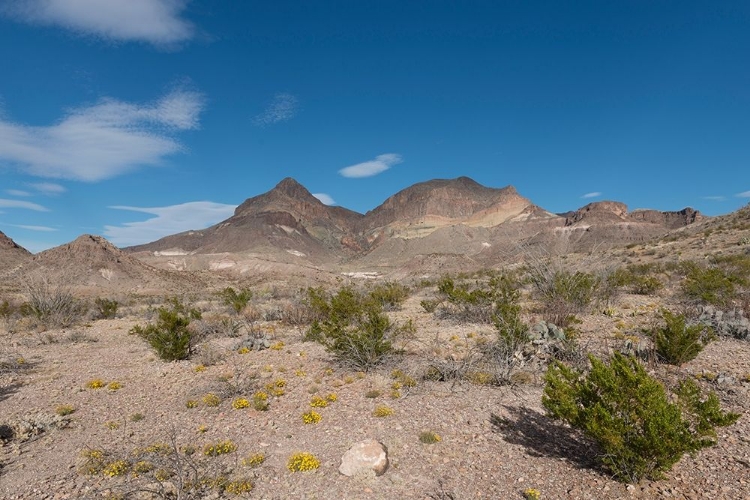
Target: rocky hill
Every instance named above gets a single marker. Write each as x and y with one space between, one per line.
428 206
448 217
92 262
285 224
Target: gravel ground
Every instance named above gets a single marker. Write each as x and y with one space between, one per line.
495 442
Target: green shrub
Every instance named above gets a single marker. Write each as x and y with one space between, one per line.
637 278
711 285
353 327
170 336
629 415
389 295
562 293
429 305
234 299
106 308
501 356
676 342
465 302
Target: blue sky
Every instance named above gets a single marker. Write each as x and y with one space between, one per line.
134 119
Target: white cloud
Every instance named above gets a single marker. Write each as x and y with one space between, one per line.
102 141
717 198
154 21
48 187
282 108
373 167
169 220
5 203
744 194
324 198
595 194
34 228
17 192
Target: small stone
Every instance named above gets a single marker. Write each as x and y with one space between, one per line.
363 456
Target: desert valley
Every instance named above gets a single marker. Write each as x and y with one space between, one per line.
300 350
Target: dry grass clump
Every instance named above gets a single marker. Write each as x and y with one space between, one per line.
260 401
254 460
429 437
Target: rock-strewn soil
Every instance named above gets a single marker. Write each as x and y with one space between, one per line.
495 442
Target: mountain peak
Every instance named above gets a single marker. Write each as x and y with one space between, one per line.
291 187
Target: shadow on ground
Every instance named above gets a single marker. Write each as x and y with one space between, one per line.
543 437
7 391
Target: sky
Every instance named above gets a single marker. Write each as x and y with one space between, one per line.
136 119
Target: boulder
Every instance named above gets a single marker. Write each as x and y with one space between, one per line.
365 456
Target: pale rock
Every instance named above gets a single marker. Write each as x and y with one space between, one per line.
363 456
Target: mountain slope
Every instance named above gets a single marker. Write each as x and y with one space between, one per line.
11 254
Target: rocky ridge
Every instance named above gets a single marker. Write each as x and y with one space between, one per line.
457 217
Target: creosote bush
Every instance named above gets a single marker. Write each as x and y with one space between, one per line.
237 300
562 293
629 415
106 308
677 342
389 295
639 279
711 284
353 327
170 336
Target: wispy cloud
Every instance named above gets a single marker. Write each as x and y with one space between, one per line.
102 141
158 22
594 194
716 198
5 203
744 194
373 167
324 198
283 107
48 187
17 192
169 220
34 228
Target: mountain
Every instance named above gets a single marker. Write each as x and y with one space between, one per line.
287 224
428 206
92 262
11 254
458 219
